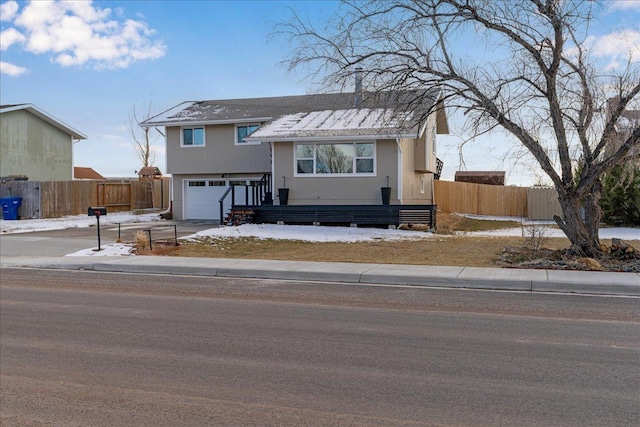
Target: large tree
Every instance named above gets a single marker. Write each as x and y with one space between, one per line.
525 66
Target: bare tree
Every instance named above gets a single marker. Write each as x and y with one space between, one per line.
142 136
524 66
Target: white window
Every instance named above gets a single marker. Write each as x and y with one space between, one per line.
243 131
335 159
192 137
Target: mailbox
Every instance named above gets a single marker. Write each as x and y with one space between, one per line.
97 211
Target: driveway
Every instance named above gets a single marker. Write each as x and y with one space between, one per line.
70 240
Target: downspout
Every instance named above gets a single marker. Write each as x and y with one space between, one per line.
399 190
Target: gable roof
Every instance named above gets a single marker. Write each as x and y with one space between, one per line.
149 171
249 110
360 123
45 117
85 173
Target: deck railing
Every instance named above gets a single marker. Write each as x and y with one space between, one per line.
345 214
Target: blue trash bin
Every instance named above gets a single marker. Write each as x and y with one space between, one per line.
10 207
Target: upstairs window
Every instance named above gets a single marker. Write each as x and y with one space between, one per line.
193 137
242 131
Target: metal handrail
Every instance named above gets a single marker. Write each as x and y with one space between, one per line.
257 194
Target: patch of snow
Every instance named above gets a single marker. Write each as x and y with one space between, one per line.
309 233
115 249
604 233
74 221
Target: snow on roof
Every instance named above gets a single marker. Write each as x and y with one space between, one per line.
356 122
258 110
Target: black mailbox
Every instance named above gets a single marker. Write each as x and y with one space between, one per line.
97 211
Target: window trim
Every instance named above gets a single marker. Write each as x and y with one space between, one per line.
235 134
204 136
353 174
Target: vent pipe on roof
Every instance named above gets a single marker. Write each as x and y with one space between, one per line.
357 93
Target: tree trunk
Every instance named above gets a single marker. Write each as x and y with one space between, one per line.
582 232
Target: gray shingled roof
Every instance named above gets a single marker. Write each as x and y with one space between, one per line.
242 110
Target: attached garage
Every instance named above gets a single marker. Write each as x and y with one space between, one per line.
202 196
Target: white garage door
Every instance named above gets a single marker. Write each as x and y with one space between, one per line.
202 198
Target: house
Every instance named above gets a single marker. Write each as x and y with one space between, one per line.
481 177
35 144
628 120
337 149
86 173
149 173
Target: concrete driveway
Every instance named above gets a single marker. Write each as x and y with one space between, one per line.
70 240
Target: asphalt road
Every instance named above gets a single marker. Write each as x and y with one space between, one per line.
87 348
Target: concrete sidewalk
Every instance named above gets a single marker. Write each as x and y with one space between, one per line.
583 282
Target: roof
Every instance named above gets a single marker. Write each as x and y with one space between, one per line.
44 116
362 123
85 173
481 177
264 109
149 171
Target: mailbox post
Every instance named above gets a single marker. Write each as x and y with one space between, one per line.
97 212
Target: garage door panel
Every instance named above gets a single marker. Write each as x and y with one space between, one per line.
202 198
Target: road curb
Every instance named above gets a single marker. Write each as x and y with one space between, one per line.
579 282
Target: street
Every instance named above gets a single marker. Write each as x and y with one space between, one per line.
90 348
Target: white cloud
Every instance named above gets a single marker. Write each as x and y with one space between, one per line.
8 10
624 5
11 70
77 33
10 37
619 47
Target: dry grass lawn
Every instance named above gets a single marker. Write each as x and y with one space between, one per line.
440 250
443 248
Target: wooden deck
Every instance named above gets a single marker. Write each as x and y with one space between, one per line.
368 215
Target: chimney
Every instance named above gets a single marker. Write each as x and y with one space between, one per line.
357 93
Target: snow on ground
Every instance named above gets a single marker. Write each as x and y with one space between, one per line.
604 233
309 233
114 249
283 232
74 221
80 221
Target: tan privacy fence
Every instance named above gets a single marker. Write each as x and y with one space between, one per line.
496 200
54 199
542 203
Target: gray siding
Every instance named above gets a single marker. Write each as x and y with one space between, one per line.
220 155
326 190
417 186
30 146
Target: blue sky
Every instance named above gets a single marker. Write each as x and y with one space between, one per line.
88 64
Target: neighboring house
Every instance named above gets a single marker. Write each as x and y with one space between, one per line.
86 173
149 173
327 149
481 177
35 144
629 120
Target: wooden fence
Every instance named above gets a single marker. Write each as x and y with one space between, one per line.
496 200
54 199
481 199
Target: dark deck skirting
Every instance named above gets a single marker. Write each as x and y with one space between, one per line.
343 214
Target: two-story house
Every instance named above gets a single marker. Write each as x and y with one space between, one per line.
35 144
325 149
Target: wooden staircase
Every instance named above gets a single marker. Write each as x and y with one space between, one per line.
238 217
